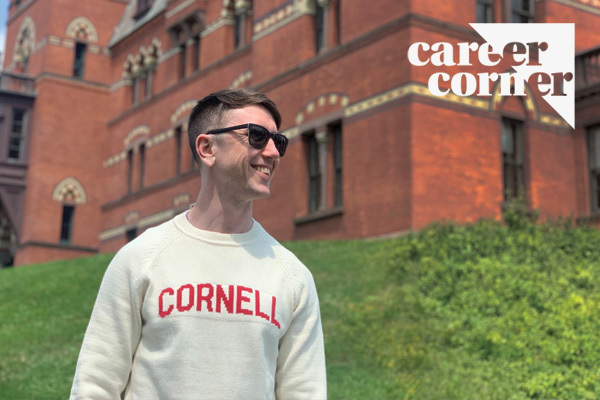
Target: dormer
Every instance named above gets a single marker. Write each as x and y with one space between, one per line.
143 6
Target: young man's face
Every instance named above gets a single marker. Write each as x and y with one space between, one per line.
243 172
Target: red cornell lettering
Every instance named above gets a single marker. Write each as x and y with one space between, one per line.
190 304
227 301
273 320
241 298
207 298
161 311
257 306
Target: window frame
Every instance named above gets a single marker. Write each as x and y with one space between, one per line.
79 59
142 157
178 150
335 130
320 29
197 49
488 10
515 162
182 60
17 136
521 13
315 173
143 6
129 171
593 143
66 227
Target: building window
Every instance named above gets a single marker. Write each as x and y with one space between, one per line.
142 164
336 134
178 143
131 234
135 90
327 24
320 27
184 34
143 6
594 166
522 11
240 11
79 61
485 11
66 228
238 31
129 170
325 168
16 140
512 159
182 60
196 45
148 84
314 175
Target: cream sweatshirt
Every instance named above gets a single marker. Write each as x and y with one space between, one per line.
189 314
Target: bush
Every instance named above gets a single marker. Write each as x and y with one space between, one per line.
508 310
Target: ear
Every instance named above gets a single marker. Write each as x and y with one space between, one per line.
204 148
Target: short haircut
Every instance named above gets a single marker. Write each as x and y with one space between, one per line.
208 112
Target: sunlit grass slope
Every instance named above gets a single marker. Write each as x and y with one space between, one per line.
482 311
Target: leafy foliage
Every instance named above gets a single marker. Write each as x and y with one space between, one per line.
488 310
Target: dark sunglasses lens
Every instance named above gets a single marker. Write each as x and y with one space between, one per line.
258 136
280 143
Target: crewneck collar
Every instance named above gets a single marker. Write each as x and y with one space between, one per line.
182 223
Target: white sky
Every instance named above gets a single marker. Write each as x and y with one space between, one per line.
3 12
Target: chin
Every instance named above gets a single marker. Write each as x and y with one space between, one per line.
262 193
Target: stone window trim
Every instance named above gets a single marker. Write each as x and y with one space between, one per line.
186 28
25 43
139 71
69 191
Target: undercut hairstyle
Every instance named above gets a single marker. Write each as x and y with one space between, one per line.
209 112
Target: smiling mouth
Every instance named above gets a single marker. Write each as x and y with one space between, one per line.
264 170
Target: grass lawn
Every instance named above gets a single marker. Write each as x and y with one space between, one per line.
481 311
44 311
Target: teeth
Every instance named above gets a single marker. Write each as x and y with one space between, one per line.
264 170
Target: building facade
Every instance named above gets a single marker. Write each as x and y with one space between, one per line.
95 96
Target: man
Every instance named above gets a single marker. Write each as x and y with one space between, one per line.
208 305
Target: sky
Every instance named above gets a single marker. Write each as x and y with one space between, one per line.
3 13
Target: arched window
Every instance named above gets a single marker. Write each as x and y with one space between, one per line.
82 31
70 194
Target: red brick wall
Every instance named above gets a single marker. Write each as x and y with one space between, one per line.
407 161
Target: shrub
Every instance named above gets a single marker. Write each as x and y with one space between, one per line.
509 309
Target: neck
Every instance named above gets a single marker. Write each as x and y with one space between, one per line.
213 213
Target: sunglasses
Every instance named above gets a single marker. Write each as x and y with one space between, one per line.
258 136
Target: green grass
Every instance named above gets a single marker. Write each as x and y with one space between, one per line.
481 311
44 311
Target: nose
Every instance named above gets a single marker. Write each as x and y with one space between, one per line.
270 150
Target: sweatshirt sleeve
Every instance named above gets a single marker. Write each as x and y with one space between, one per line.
301 360
112 335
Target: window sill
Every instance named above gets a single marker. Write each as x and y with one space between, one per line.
319 215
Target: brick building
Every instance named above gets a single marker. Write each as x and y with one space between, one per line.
95 96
